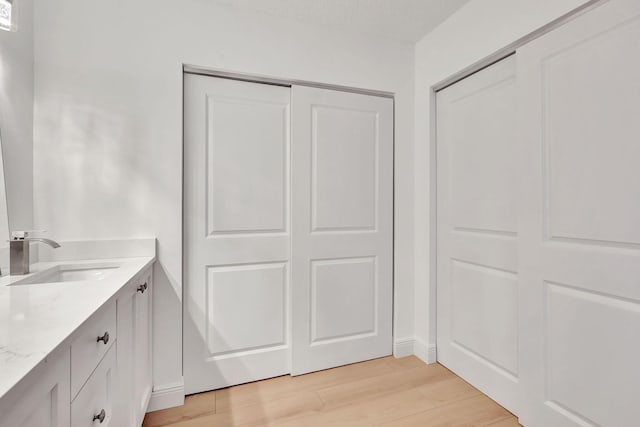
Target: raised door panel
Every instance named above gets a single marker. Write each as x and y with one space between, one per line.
484 314
591 152
247 305
482 153
580 252
255 202
343 299
344 169
575 320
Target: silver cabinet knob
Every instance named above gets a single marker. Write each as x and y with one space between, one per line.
142 288
101 416
104 339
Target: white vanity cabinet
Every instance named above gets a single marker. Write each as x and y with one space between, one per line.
100 376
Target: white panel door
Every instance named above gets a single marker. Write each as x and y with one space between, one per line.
342 212
477 274
580 221
236 233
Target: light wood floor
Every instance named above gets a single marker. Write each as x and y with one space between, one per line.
386 392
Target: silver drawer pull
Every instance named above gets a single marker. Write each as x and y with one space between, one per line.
142 288
101 416
104 339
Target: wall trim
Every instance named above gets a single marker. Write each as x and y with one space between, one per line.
257 78
167 396
424 352
403 347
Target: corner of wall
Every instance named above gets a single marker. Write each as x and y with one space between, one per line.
425 352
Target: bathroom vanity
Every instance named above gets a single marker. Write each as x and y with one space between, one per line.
76 343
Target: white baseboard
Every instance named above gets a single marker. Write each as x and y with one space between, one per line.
425 352
166 396
403 347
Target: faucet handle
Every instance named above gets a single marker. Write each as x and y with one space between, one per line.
21 235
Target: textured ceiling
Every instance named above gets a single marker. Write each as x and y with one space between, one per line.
403 20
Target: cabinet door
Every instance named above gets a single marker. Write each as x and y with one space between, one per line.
94 404
45 402
142 346
124 413
134 352
90 345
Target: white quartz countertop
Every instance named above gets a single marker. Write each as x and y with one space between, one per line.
37 319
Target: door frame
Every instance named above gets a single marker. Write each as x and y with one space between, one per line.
454 78
278 81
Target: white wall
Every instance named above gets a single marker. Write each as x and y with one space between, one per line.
108 123
477 30
16 116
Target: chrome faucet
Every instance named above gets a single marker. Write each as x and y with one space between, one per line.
19 251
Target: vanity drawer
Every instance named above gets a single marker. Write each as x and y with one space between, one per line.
94 404
95 339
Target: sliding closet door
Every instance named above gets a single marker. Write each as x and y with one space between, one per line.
342 193
580 221
236 232
477 274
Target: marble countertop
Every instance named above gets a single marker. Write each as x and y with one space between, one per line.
37 319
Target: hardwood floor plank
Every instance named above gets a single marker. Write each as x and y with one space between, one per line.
385 408
389 406
259 414
277 388
387 391
408 362
449 389
475 411
507 422
196 405
368 388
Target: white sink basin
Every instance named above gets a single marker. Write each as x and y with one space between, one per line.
70 273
